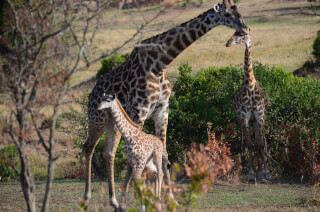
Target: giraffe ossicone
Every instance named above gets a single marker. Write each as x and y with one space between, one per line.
250 104
143 89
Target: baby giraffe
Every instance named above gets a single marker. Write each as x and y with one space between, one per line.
139 147
250 105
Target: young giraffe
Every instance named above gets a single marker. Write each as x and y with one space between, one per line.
142 87
250 103
139 147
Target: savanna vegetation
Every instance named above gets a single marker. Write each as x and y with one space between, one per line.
202 130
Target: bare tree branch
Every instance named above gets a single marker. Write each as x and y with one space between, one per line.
45 146
104 55
43 45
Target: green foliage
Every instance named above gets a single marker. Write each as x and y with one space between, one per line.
110 63
8 160
207 97
316 47
236 1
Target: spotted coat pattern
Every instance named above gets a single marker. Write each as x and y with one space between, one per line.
142 87
250 104
139 146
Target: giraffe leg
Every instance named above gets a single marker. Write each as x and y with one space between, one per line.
261 143
109 151
137 176
123 197
88 148
157 155
257 137
247 136
161 122
243 147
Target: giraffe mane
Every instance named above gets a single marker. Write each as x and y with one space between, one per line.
126 115
181 25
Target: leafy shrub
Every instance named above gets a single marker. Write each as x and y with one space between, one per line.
110 63
302 158
207 97
8 160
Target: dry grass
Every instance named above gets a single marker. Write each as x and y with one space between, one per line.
283 33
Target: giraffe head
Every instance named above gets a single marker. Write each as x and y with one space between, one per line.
230 16
107 100
238 38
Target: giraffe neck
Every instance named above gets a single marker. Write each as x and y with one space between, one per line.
160 50
249 78
122 120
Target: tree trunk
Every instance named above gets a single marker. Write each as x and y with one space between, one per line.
50 177
27 182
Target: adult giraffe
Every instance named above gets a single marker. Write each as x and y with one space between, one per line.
142 87
250 104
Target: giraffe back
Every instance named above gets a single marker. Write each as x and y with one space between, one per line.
138 89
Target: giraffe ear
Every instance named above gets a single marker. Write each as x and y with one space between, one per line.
216 8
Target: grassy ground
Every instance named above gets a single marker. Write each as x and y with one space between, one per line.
283 33
224 197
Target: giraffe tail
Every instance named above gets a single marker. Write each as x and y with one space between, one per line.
166 160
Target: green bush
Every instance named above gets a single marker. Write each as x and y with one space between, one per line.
207 97
8 160
110 63
211 90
